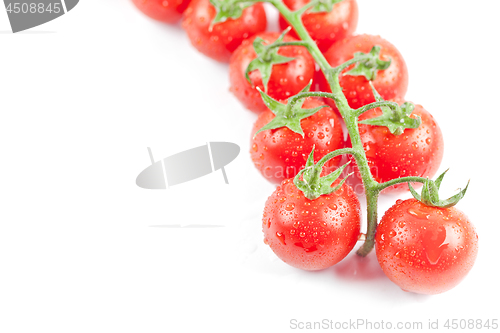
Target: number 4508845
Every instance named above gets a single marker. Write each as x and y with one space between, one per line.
471 324
33 8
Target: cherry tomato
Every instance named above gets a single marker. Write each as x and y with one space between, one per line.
286 79
390 83
223 38
280 153
326 28
416 152
311 234
162 10
426 250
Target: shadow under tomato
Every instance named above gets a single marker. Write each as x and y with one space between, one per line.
357 268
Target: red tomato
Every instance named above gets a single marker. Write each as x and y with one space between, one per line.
326 28
390 83
426 250
286 79
280 153
416 152
220 42
311 234
162 10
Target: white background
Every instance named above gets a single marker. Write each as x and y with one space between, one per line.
83 249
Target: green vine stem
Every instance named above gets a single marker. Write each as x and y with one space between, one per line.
394 106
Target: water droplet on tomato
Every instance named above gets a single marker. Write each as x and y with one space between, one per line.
433 241
311 249
418 213
281 237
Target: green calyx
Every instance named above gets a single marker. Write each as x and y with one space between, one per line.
287 115
324 6
397 119
369 67
430 195
312 184
267 56
228 9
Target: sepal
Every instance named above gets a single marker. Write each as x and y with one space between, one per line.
229 9
312 184
395 120
287 115
324 6
369 68
267 56
430 194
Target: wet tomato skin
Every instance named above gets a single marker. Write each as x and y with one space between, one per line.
222 40
162 10
425 250
280 153
311 234
286 79
325 28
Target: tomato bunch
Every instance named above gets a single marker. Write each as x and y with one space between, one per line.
312 85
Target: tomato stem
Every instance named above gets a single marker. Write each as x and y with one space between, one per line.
371 201
293 43
394 106
401 180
